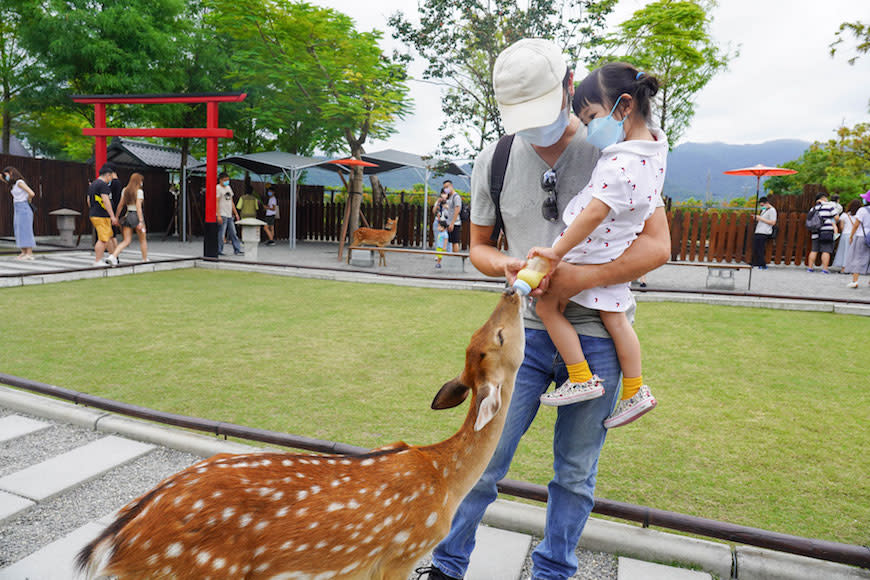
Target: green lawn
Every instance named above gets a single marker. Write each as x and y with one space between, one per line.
762 418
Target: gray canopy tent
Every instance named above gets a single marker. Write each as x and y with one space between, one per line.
390 159
274 162
292 166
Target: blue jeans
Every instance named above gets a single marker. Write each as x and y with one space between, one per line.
577 441
229 224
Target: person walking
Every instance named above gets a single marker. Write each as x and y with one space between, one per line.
859 258
271 215
533 87
22 222
102 216
132 198
823 238
764 223
845 223
227 216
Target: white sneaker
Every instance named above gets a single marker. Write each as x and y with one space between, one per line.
100 264
852 285
112 260
574 392
630 409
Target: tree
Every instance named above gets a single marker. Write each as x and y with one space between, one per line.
19 71
671 39
328 85
841 165
110 47
860 31
460 40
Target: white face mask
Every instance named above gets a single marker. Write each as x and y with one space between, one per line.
549 134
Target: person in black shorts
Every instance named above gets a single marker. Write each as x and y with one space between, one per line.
454 206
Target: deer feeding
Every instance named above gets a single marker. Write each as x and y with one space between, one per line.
290 516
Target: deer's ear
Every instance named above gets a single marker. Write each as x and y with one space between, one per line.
490 403
451 394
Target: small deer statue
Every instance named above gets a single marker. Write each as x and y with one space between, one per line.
379 238
288 516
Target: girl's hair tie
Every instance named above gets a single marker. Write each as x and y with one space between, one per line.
640 74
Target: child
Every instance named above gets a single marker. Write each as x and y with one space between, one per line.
603 220
441 241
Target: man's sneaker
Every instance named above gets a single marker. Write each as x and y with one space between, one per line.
100 264
574 392
112 260
630 409
432 573
240 253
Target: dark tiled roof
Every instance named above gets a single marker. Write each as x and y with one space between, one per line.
127 153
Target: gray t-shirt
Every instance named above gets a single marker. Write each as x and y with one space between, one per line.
454 202
521 200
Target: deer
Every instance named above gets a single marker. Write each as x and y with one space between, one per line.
306 516
379 238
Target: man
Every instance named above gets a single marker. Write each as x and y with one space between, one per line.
271 214
227 215
533 87
248 205
102 216
823 239
454 222
763 231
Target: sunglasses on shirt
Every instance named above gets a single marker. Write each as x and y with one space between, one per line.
548 183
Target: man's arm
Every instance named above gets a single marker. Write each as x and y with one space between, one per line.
107 201
487 258
651 249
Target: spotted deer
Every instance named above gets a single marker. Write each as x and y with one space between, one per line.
288 516
379 238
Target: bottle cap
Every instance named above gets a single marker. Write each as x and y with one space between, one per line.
522 287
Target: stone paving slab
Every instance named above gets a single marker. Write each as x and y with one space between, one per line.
53 476
11 505
54 561
498 555
631 569
15 426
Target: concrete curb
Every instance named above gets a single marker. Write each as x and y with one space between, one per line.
755 302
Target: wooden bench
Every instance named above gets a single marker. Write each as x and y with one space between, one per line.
373 249
719 275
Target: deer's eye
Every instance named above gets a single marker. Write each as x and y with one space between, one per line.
500 338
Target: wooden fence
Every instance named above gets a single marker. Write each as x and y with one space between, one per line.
64 184
727 237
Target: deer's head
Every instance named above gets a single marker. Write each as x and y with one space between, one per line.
491 362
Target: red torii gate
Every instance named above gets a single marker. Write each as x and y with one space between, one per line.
211 133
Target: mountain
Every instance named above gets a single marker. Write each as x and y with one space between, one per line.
690 164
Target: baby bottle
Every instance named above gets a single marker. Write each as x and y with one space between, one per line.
529 277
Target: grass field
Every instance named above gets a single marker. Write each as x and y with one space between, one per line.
762 421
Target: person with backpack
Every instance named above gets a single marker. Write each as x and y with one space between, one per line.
454 221
765 222
533 89
823 226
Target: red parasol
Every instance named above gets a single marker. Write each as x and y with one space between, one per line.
759 171
351 161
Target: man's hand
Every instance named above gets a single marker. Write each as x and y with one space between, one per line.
511 267
220 220
115 221
450 228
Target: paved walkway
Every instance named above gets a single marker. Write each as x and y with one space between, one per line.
789 281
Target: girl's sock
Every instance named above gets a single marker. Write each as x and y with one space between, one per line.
630 387
579 373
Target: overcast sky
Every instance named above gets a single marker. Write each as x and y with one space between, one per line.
784 84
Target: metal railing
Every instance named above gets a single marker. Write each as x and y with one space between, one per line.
820 549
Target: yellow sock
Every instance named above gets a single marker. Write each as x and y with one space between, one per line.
630 387
579 373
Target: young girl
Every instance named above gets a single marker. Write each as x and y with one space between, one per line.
132 198
441 241
603 220
23 220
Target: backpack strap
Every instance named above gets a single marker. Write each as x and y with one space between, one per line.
496 180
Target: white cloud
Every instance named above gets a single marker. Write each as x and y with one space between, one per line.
784 84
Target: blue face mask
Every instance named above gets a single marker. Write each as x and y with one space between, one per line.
548 135
605 131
